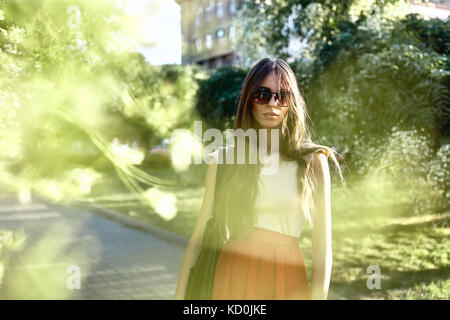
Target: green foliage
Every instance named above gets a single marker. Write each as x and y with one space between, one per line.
48 89
74 96
385 93
284 22
433 33
374 92
218 97
439 173
156 98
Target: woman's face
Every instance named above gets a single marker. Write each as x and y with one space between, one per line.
271 114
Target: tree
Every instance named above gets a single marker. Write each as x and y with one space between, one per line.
72 91
295 30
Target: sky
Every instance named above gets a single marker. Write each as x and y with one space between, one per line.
158 29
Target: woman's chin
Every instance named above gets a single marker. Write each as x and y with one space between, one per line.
270 124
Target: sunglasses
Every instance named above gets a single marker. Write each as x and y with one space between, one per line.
262 95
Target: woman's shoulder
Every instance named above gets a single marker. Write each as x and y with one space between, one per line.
309 149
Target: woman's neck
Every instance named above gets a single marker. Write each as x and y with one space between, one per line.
269 141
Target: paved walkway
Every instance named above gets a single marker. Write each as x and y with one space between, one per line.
114 261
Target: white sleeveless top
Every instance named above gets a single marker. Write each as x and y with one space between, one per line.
278 206
278 202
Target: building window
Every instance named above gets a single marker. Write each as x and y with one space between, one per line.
232 6
220 33
198 45
208 41
209 10
232 33
198 16
220 9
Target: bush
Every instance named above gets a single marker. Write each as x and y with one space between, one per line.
217 97
439 173
385 93
432 34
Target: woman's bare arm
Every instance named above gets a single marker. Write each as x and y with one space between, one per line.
321 230
194 245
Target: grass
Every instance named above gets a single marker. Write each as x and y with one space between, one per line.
410 251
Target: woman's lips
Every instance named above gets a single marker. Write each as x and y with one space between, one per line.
270 115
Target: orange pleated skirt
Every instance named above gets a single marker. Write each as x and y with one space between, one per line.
264 265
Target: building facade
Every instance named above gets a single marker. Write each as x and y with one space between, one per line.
208 33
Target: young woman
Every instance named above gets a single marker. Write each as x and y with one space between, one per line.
265 214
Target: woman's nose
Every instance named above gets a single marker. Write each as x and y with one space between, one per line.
273 101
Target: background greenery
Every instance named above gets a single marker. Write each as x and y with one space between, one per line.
80 111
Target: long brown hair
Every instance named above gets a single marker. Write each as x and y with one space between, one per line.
238 190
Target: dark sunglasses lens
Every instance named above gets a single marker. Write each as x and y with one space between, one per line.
262 97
